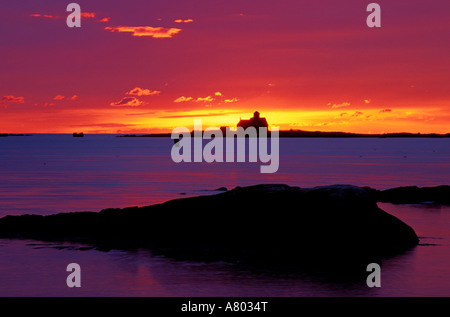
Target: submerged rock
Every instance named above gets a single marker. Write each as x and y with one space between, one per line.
266 221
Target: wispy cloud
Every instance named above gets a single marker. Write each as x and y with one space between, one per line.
183 21
62 97
11 99
104 20
366 101
183 99
204 99
385 110
83 15
133 101
127 102
141 31
231 100
48 16
88 15
218 99
142 92
340 105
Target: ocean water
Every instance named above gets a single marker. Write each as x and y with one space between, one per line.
45 174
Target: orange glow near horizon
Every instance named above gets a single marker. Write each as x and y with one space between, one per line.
150 70
367 121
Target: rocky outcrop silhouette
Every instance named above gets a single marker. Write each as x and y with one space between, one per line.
267 221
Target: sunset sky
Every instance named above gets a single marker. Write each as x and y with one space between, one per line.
144 66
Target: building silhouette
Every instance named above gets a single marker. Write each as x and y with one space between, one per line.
256 122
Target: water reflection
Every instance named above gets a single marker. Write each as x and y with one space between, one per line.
39 270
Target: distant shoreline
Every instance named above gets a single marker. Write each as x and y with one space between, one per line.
318 134
282 134
13 134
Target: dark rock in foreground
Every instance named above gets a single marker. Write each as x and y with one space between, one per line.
415 195
329 223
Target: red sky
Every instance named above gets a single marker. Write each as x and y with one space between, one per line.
150 66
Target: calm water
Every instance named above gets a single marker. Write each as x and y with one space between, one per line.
45 174
58 173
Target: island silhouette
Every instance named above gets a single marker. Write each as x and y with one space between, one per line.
260 122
